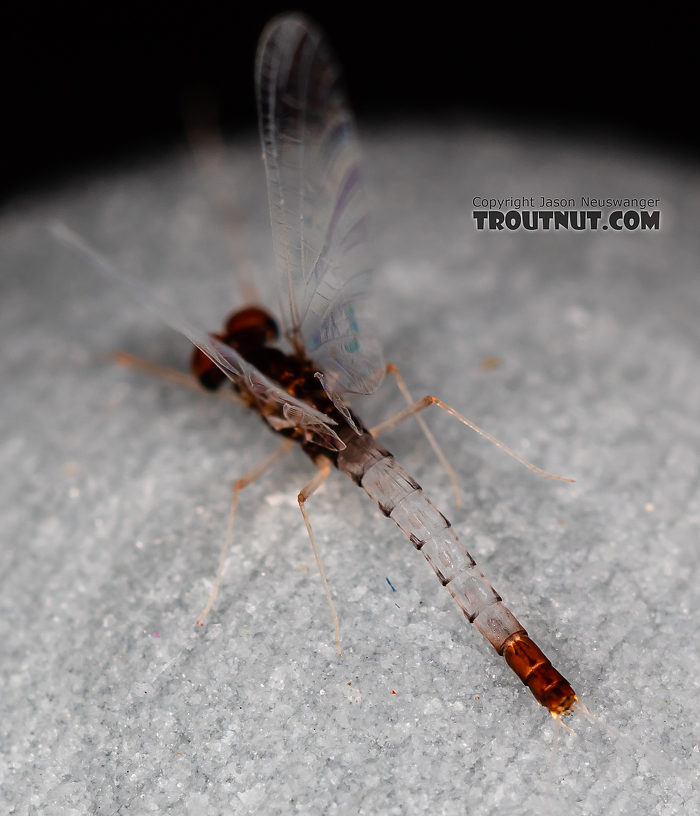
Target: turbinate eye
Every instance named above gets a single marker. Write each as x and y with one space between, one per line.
252 325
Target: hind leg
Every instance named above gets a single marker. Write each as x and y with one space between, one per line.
324 468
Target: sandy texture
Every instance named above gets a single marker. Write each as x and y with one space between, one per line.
116 487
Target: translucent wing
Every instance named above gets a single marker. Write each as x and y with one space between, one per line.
317 206
295 412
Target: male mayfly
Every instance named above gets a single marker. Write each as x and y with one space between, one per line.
319 229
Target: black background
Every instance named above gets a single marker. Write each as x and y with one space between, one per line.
84 84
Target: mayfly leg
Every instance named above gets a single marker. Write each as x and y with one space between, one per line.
384 426
171 375
427 401
324 468
249 477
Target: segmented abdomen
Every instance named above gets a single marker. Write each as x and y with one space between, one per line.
401 498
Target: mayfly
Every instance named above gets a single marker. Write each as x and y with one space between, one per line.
320 236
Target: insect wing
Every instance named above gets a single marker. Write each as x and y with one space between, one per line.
295 413
317 206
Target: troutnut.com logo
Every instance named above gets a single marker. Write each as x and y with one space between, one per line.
584 213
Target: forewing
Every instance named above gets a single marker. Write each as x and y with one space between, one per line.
295 413
317 205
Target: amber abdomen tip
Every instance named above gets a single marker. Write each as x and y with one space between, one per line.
547 685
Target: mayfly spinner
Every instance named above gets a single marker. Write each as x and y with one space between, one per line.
319 229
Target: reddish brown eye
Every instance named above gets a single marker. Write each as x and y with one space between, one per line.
209 375
251 326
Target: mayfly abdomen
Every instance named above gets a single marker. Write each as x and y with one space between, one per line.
401 498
